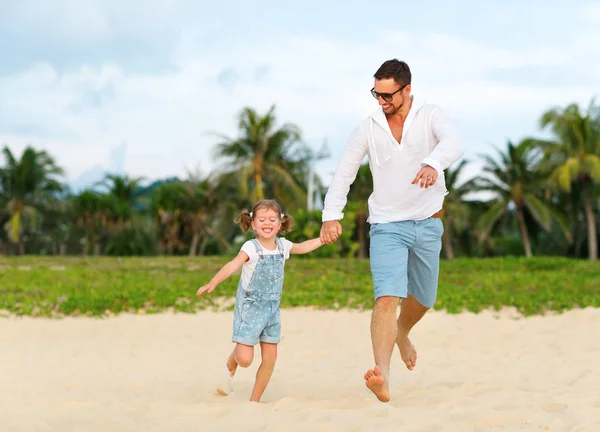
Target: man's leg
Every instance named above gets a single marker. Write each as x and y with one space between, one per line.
411 312
383 337
389 266
423 272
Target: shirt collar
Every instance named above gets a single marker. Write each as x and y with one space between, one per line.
379 116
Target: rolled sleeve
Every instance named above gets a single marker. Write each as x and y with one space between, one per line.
331 215
433 164
345 174
449 148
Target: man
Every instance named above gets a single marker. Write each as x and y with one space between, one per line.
409 143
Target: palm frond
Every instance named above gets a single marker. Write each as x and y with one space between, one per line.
538 210
591 166
489 219
566 174
285 181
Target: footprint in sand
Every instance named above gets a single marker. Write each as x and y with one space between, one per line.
553 407
287 403
508 407
452 384
212 412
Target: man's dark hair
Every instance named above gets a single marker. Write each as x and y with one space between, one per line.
396 69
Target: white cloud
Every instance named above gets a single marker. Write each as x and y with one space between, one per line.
75 21
67 19
318 83
591 12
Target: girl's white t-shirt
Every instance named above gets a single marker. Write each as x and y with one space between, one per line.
250 265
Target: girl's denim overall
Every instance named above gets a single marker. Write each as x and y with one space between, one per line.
256 313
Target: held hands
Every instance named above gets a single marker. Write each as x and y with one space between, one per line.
209 287
427 176
330 231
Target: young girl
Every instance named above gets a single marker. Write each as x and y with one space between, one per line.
256 313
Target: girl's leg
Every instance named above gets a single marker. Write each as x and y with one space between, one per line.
242 355
263 375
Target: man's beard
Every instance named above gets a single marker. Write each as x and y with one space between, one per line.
395 109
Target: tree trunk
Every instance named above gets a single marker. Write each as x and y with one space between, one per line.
447 242
203 246
194 245
96 248
62 249
260 195
524 235
591 225
54 248
21 247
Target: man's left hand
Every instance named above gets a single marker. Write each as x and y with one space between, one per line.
427 176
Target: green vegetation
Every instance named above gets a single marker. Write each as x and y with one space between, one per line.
542 198
542 201
47 287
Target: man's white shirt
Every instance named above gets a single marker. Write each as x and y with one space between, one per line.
428 138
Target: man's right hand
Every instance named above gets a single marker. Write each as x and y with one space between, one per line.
330 231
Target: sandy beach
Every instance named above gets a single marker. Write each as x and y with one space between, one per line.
481 372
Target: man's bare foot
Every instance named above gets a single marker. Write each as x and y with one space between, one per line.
231 364
375 381
407 352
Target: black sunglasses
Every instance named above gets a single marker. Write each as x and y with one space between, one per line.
385 96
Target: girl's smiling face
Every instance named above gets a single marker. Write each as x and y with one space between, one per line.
266 222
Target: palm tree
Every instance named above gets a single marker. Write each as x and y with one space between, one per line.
122 187
456 208
120 203
56 223
28 185
166 203
4 218
202 212
265 159
575 156
90 210
514 180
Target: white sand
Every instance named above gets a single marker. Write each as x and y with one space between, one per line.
159 373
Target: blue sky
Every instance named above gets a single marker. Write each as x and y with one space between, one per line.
136 86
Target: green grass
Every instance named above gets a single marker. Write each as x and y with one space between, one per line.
49 286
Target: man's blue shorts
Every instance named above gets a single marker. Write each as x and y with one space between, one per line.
405 259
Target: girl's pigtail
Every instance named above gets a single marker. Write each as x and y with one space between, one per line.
245 220
286 223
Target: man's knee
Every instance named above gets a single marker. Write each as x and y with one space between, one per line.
413 303
418 301
386 304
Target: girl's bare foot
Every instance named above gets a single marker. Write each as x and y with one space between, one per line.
375 381
231 364
226 384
